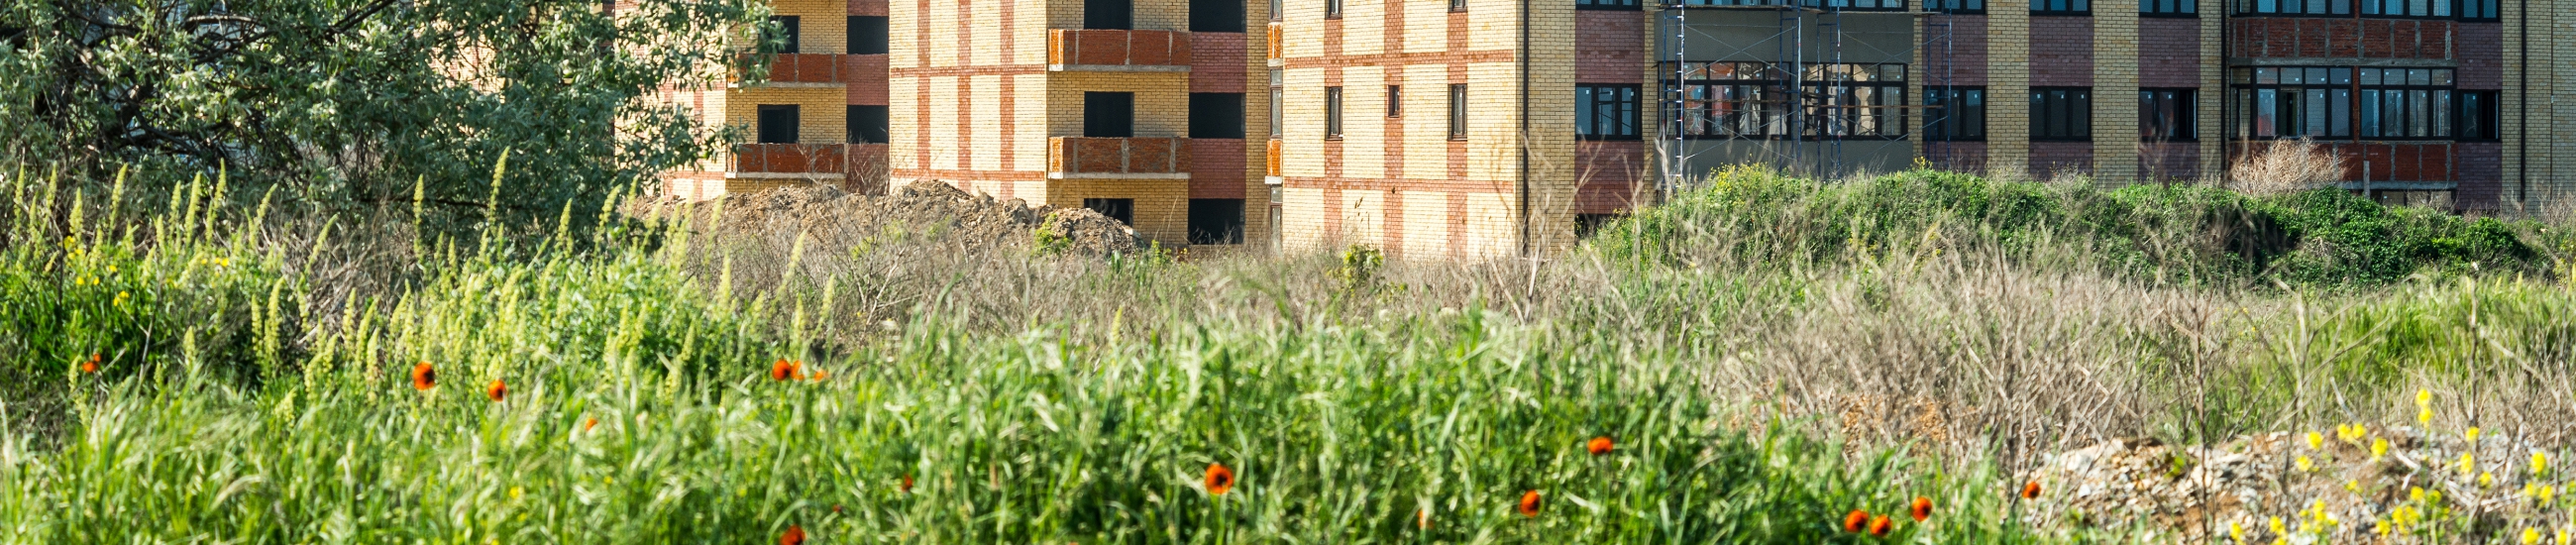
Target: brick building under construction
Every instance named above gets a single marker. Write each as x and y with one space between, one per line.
1478 128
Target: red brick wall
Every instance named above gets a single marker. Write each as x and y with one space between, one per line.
2168 52
1960 156
1965 61
2049 159
865 78
2061 51
2481 52
1610 46
1217 61
2170 160
1217 168
1608 171
2481 175
2282 37
868 7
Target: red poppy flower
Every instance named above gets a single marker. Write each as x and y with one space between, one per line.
1852 522
2030 491
496 391
795 536
1598 446
586 425
782 370
905 486
423 377
1879 525
90 366
1219 479
1529 503
1922 508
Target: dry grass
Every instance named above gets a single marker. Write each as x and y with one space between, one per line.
2286 166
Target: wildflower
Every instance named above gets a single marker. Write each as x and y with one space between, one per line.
1598 446
2379 528
2423 397
423 377
2030 490
2352 485
2424 415
586 425
2415 493
2486 479
90 366
496 391
1422 519
2236 531
905 486
2378 449
2316 441
2539 463
2471 435
815 375
1922 508
2306 465
2531 536
1219 479
2468 464
795 536
514 492
2278 528
1879 525
1852 522
1529 503
122 297
782 370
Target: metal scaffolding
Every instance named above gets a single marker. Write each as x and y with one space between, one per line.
1788 39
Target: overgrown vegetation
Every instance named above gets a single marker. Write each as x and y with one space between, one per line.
1759 372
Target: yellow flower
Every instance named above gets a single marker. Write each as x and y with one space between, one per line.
2353 486
121 297
2423 397
2415 493
2305 464
2531 536
2278 528
2539 463
2545 493
2486 479
2236 531
2424 415
2471 435
2378 449
514 492
2316 440
2468 464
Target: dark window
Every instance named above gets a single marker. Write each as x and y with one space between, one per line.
1753 100
783 33
1216 15
2478 115
1605 4
1216 115
2061 7
1332 113
1108 14
2345 102
867 124
1957 6
1957 113
2165 115
867 35
2417 9
1586 225
1884 5
1109 115
2061 113
1394 101
1605 112
1458 112
2169 8
2478 9
777 123
1123 210
1277 110
1457 6
1332 9
1216 221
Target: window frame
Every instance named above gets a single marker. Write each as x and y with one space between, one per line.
1197 236
1746 100
1628 95
2189 9
1458 111
1091 111
2072 9
1609 5
1333 113
1216 127
883 123
2362 108
881 41
1235 24
1332 9
2040 116
1884 5
2189 114
795 126
1394 101
789 26
1946 128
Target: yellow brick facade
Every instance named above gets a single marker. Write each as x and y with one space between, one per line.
2008 86
2116 133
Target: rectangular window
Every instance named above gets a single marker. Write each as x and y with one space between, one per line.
1605 112
1108 14
868 124
1123 210
1276 111
2348 102
782 33
1753 100
1216 15
1109 115
2061 7
1456 6
1458 112
1216 115
1956 6
1394 101
2165 115
1855 5
867 35
2061 113
2169 8
2478 9
2477 115
1606 4
1332 113
778 123
1332 9
1957 113
1216 221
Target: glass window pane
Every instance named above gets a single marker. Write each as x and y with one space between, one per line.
2339 114
2266 118
2419 117
2441 112
2316 76
2266 76
2341 76
2369 113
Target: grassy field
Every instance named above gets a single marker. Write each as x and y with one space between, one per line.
1763 357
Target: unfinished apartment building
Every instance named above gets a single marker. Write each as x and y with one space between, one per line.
1483 128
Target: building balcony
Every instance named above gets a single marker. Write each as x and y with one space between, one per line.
1090 50
802 70
788 160
1077 157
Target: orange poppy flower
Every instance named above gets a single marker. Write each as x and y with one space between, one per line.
90 366
1922 508
1529 503
586 425
423 377
795 536
816 375
1879 525
1852 522
1422 518
1598 446
2030 491
496 391
905 486
782 370
1219 479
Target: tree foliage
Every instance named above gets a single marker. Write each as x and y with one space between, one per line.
338 103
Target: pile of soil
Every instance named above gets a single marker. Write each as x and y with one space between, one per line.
2200 493
924 211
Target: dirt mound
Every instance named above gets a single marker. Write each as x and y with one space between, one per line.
932 212
2340 486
